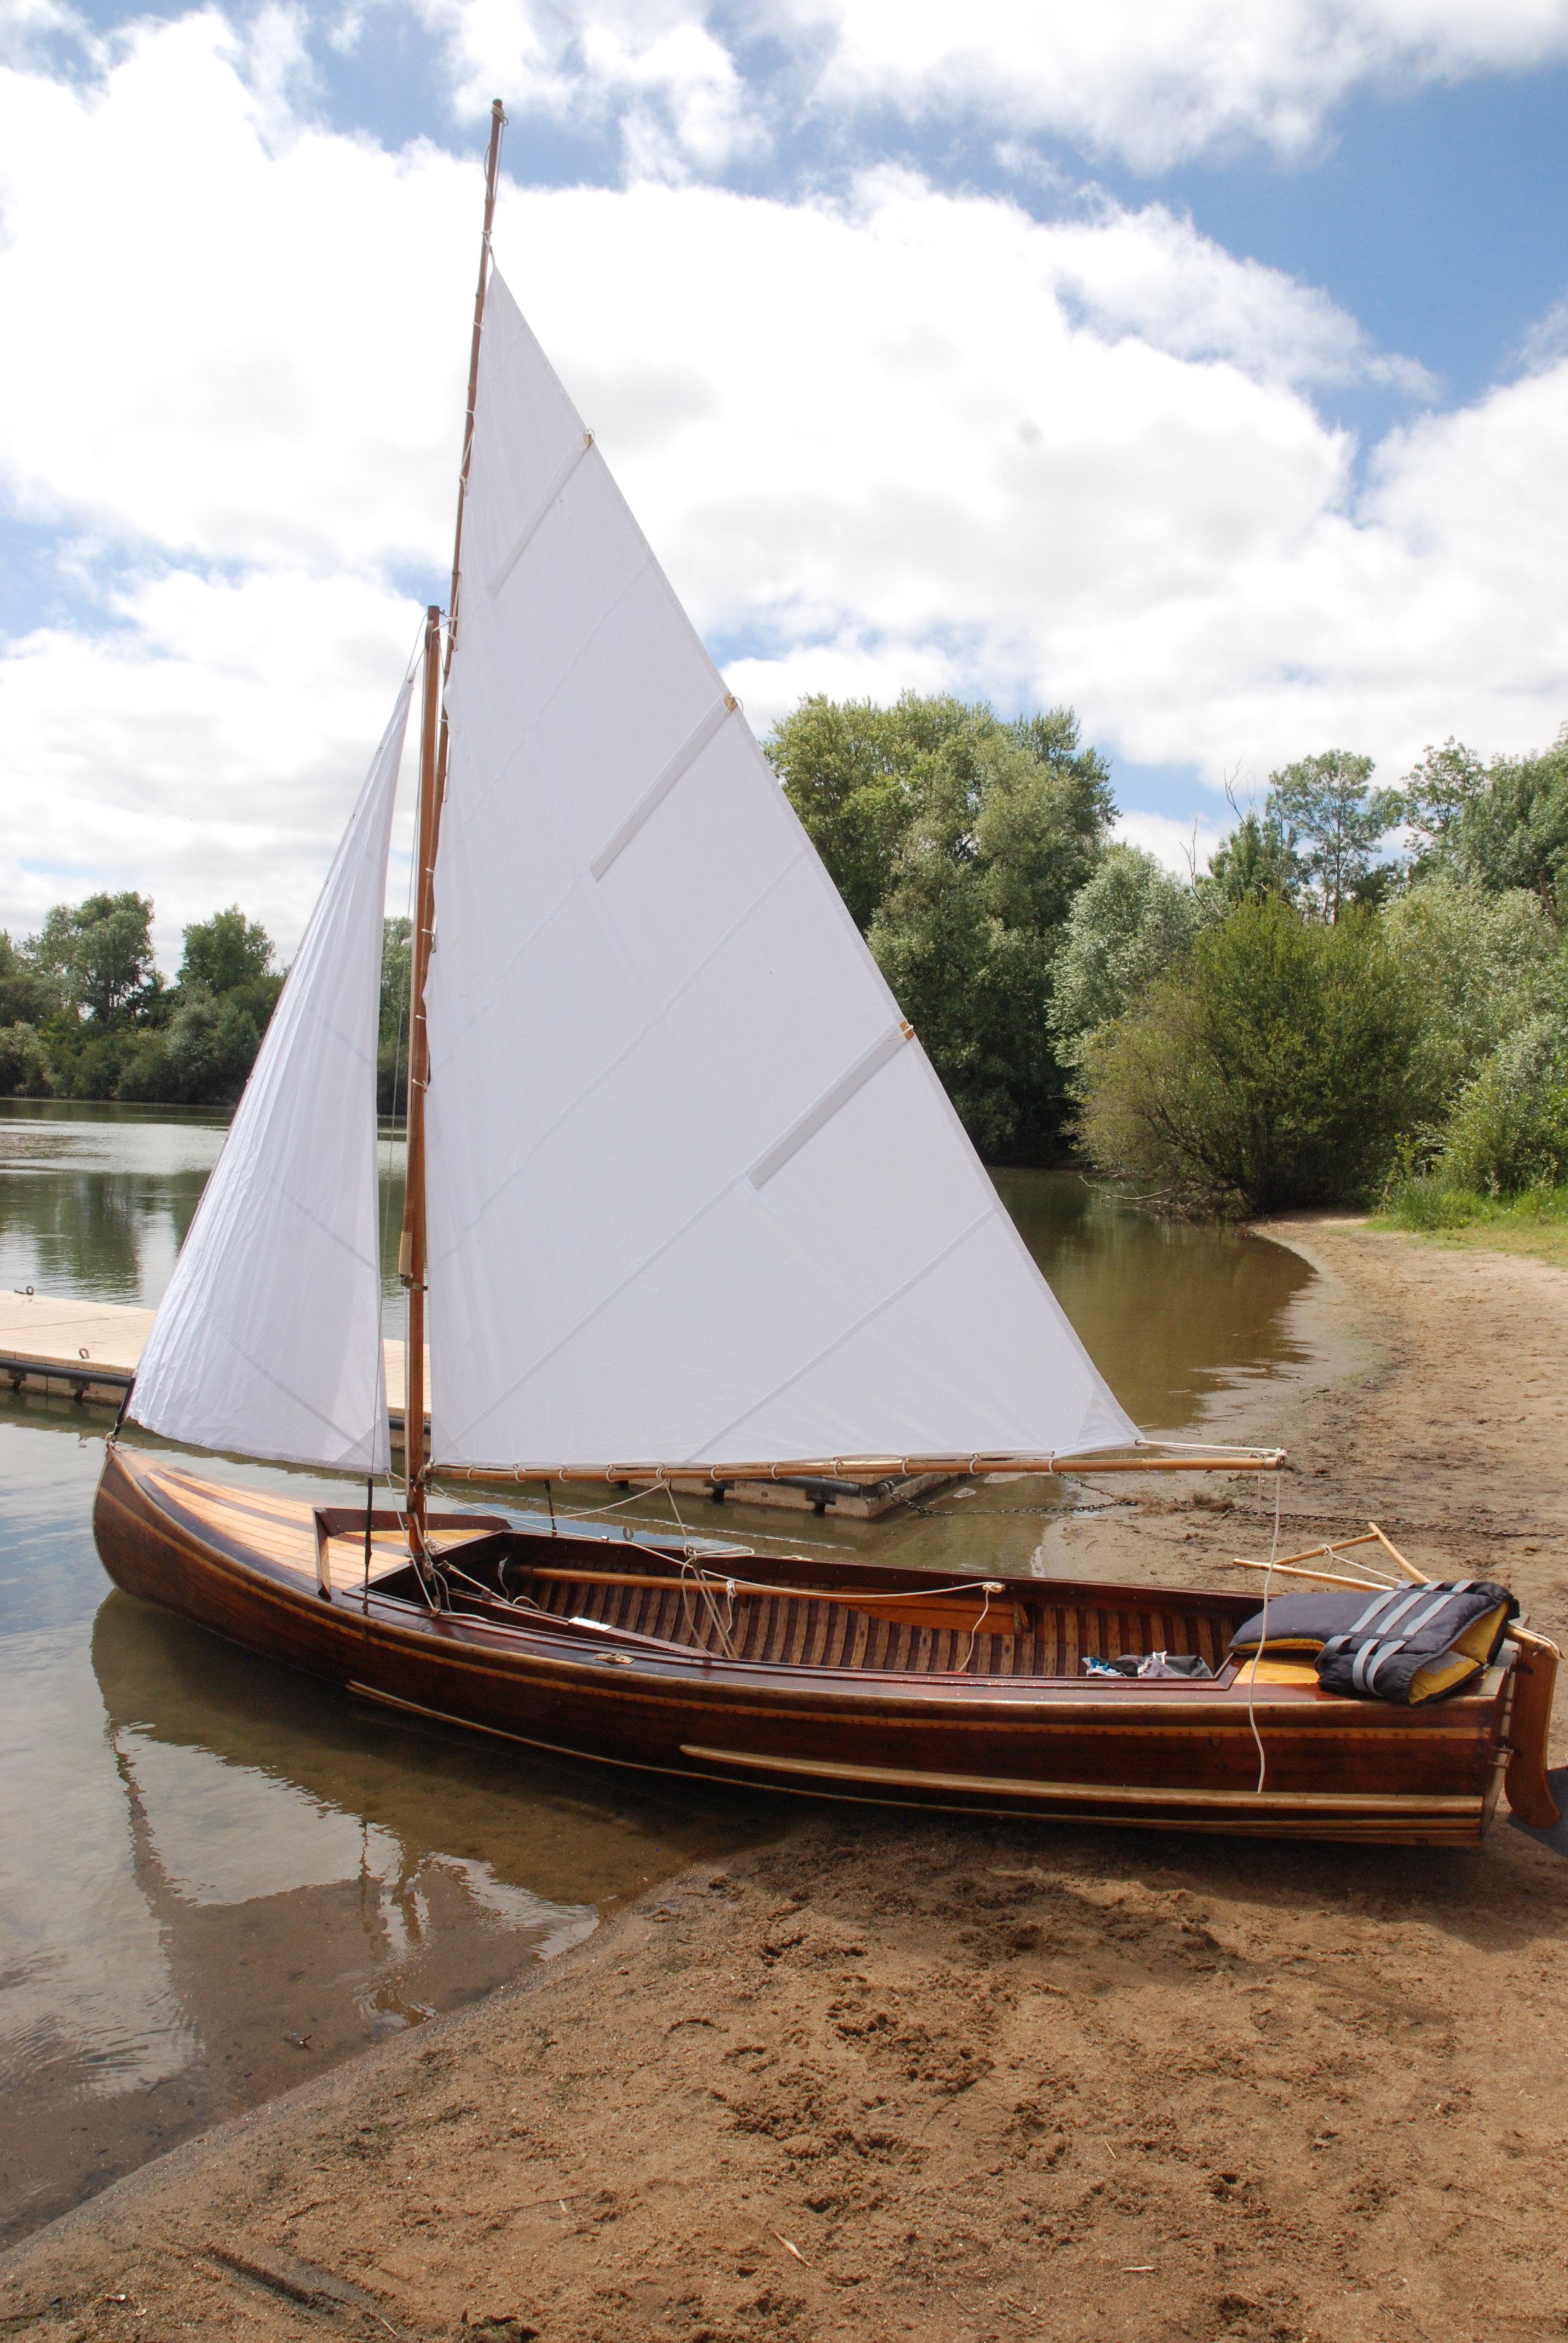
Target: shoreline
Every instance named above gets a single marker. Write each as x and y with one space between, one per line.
905 2074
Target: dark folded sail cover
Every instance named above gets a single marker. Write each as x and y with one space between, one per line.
1404 1644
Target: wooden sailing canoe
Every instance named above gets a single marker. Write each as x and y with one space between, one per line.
840 1680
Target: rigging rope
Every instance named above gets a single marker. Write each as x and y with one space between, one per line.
1262 1639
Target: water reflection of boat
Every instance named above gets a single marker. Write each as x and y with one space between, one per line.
312 1883
687 1193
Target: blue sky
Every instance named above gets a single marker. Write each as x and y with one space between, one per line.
1202 368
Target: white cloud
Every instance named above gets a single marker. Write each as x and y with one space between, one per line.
1161 83
1156 85
656 69
1546 342
914 439
1151 274
200 343
1183 847
206 748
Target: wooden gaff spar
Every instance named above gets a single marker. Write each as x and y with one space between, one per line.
685 1202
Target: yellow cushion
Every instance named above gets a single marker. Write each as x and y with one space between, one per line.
1278 1672
1481 1634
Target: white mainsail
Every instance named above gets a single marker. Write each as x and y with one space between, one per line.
695 1194
268 1341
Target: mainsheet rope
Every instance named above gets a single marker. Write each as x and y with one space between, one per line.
1262 1639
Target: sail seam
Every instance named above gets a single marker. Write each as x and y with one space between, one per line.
526 738
653 797
869 1062
359 1453
536 518
653 1028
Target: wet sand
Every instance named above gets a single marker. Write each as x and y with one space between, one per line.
892 2076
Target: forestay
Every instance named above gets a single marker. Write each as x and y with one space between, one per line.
695 1193
268 1341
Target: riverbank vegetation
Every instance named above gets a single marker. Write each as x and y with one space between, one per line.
1364 996
1365 993
86 1013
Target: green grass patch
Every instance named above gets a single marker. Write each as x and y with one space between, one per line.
1535 1223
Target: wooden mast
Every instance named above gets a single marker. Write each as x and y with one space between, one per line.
411 1249
411 1245
492 174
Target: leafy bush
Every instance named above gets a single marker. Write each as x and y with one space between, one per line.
28 994
1509 1128
24 1063
201 1057
1274 1068
1483 963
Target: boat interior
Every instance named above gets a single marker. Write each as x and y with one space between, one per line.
659 1597
641 1592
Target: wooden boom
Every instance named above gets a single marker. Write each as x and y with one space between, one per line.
876 1468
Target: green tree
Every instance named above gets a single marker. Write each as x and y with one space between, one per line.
1257 862
1513 832
201 1057
392 1047
854 773
1327 801
225 951
863 778
1436 795
1128 923
1274 1068
27 993
1482 965
101 952
1005 822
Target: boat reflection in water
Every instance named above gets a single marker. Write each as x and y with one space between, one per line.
311 1877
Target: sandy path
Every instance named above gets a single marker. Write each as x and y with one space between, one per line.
893 2077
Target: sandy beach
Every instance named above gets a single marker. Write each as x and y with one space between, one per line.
889 2076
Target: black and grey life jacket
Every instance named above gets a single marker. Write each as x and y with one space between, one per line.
1406 1645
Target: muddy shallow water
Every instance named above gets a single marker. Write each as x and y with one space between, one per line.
216 1878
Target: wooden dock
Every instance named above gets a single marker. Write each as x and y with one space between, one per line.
90 1350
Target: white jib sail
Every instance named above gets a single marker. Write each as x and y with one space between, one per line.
695 1194
268 1341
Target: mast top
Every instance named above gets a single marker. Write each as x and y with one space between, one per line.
492 183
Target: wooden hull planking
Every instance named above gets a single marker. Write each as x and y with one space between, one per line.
844 1687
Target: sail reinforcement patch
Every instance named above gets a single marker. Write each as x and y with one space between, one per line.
870 1061
653 797
519 545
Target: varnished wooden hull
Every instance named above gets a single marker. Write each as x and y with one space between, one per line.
1170 1754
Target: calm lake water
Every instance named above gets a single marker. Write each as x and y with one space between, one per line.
217 1878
